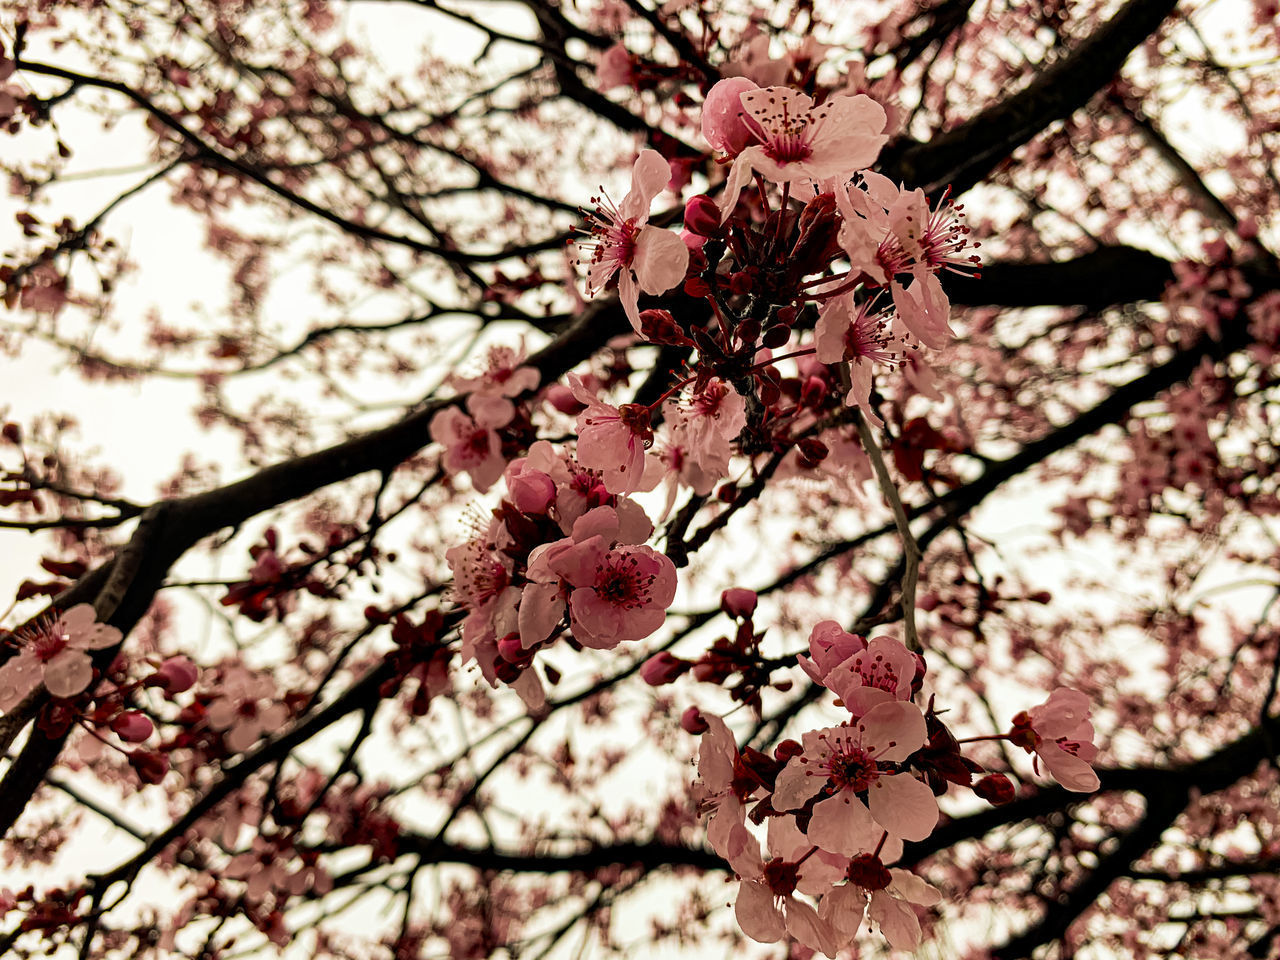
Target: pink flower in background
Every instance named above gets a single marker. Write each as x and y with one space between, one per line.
1060 734
622 242
56 654
845 761
471 444
797 140
247 705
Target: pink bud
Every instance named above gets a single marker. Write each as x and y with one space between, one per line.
702 216
510 648
693 721
738 602
562 398
132 726
532 492
175 675
722 123
662 668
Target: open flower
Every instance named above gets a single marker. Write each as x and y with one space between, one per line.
56 655
471 443
621 241
846 761
881 673
613 594
613 440
1060 734
889 893
797 140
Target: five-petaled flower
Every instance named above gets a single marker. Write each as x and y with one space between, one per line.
1060 734
850 760
797 140
57 654
621 241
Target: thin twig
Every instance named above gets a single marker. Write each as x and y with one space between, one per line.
911 555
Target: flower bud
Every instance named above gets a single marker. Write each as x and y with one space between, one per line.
659 326
693 721
812 451
738 602
722 116
662 668
562 398
813 392
132 726
995 788
149 766
702 216
532 492
510 648
176 675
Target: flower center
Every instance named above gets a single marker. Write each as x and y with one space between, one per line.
47 643
621 583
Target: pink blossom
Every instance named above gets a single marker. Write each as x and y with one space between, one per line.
882 672
1061 735
767 908
613 440
247 705
614 68
613 594
471 444
829 646
708 422
504 375
889 893
797 141
56 655
622 242
723 787
845 761
856 333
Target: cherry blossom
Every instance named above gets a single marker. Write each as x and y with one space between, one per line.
471 444
613 594
622 241
55 654
798 141
845 761
886 894
1060 734
613 441
882 672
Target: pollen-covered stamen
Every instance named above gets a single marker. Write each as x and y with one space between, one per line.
946 237
876 671
868 337
610 242
785 138
848 765
45 640
479 576
620 582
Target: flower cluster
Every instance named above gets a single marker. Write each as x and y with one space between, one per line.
841 803
561 552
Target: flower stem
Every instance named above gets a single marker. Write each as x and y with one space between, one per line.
911 555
